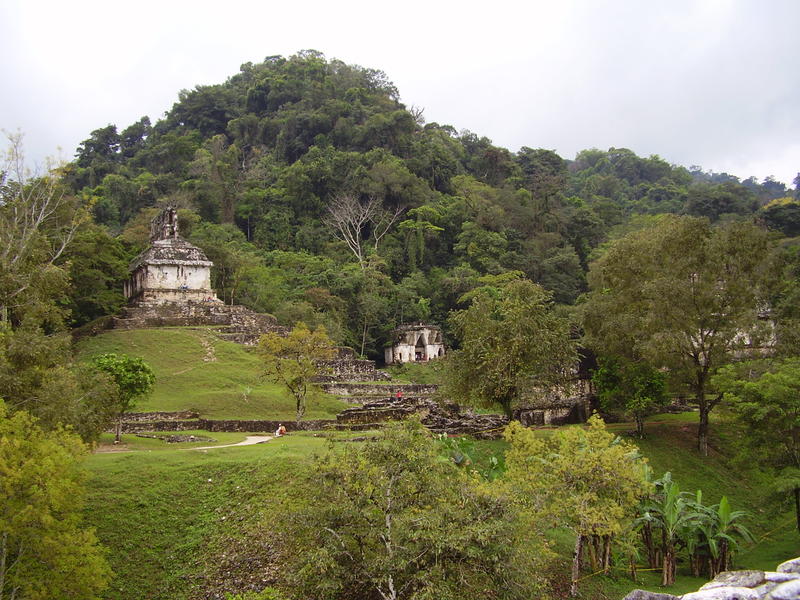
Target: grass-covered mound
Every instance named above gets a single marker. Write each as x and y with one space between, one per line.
196 370
169 517
185 523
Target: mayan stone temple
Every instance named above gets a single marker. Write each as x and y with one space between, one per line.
170 285
171 270
416 342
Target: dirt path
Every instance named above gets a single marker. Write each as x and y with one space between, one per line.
248 441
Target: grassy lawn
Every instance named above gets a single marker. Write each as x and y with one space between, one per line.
423 373
164 513
130 441
195 370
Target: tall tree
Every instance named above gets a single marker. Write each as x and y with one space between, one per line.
764 397
293 361
390 519
133 377
37 223
632 388
685 296
511 342
360 224
585 478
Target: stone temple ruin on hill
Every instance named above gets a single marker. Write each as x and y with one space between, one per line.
170 285
171 270
416 342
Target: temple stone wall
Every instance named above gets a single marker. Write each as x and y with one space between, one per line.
416 342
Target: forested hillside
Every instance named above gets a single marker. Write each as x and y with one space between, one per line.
320 197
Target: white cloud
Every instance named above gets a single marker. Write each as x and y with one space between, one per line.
709 83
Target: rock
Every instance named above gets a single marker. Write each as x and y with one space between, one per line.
765 588
789 590
747 579
790 566
780 577
645 595
723 593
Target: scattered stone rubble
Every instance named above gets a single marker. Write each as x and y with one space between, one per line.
781 584
347 368
449 418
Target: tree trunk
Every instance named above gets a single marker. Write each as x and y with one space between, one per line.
118 435
606 553
363 337
668 567
300 410
694 561
590 544
576 565
797 506
702 431
632 567
639 425
650 546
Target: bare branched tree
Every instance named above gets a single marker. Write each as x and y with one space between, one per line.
356 222
37 223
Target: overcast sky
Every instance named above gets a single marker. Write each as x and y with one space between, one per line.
714 83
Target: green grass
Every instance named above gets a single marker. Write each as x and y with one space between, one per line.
228 386
130 441
422 373
167 515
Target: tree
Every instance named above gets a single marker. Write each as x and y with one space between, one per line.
221 170
633 388
681 520
293 361
582 478
511 341
354 222
133 377
684 296
37 223
764 397
98 266
391 519
44 551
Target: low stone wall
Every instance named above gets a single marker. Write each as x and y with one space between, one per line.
781 584
152 417
350 369
379 389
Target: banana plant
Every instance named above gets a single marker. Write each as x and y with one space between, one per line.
721 533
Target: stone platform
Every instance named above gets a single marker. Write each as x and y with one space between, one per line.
234 323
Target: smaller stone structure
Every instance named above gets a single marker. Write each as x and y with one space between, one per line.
416 342
171 270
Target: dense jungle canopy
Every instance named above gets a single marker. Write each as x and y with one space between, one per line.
321 198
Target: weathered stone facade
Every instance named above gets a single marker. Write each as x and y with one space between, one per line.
171 270
416 342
